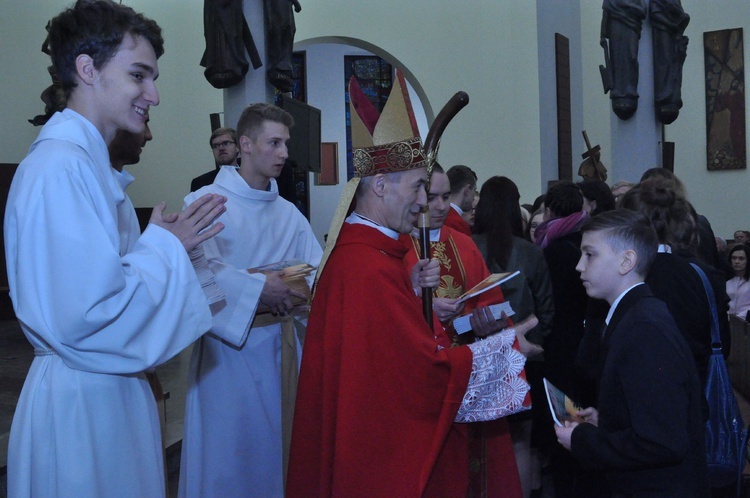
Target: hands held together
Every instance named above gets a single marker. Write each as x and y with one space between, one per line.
189 226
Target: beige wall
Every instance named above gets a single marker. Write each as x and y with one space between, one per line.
180 124
486 47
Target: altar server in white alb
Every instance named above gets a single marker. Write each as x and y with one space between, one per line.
98 303
238 396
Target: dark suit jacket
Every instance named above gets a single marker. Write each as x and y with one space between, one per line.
203 180
650 438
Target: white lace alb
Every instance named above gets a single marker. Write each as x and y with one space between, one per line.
495 389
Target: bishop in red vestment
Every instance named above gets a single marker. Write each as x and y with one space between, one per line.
380 392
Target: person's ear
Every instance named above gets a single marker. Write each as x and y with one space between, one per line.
628 262
85 69
246 145
379 183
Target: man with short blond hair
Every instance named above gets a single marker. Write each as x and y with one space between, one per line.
240 397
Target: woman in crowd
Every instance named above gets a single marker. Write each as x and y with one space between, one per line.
671 277
498 234
534 220
738 287
597 197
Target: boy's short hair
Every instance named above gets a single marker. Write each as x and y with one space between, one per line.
252 118
625 229
460 176
95 28
225 130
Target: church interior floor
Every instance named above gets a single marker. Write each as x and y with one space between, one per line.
16 355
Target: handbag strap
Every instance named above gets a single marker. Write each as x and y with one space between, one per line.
715 337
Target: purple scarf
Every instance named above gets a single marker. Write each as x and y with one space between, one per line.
551 230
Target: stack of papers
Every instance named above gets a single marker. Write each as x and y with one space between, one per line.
212 291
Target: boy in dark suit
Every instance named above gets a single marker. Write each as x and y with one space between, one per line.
647 434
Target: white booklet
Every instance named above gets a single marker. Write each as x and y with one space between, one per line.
463 325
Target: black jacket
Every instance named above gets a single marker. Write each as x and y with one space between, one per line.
650 437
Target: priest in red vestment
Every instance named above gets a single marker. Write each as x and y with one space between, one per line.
492 464
382 396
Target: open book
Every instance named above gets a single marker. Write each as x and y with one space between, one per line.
293 273
488 283
560 405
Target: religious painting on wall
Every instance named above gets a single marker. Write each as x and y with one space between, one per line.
725 99
329 164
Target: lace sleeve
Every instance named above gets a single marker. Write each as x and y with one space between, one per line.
495 389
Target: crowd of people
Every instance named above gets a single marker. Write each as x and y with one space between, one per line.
364 369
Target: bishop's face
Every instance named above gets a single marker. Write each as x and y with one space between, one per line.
403 197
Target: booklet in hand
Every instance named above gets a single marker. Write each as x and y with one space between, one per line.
462 324
560 405
293 273
488 283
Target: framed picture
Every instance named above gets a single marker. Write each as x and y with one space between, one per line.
725 99
329 164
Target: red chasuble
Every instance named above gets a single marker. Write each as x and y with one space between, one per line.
457 223
491 462
378 390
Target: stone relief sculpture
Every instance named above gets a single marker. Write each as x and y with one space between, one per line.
622 22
